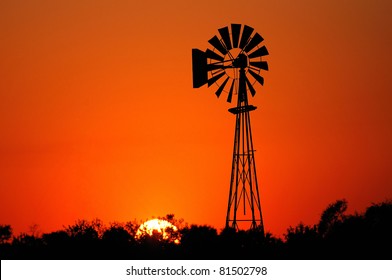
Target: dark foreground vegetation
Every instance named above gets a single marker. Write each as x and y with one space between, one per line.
336 236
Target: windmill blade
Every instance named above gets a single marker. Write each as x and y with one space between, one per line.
214 41
250 86
214 73
256 76
230 96
259 52
257 39
213 55
222 86
211 67
245 36
224 32
260 64
235 30
215 78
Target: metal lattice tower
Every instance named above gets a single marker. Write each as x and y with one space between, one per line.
244 192
236 57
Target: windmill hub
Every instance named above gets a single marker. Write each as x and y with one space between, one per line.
241 61
235 59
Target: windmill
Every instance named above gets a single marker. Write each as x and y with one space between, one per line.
234 65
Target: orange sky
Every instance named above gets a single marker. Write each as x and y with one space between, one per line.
98 117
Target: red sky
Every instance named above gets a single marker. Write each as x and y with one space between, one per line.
98 117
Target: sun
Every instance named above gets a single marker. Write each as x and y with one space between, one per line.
160 228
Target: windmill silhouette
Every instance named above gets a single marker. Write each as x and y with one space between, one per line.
234 65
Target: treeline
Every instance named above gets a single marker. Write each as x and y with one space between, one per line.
336 236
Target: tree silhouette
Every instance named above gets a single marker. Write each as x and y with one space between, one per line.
378 221
117 242
26 246
5 236
85 239
303 241
198 241
5 233
358 236
332 215
116 235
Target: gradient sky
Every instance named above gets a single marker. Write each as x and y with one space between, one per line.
98 117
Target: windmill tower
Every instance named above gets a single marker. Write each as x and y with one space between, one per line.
234 65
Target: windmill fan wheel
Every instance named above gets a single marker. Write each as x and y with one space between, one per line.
237 49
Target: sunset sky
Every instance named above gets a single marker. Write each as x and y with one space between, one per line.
98 117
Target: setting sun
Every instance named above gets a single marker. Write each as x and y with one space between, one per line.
161 228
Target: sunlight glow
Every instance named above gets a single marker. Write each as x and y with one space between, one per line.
161 227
